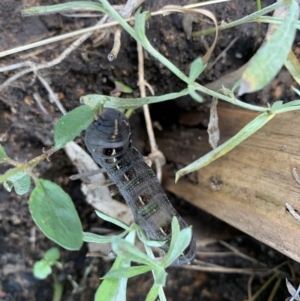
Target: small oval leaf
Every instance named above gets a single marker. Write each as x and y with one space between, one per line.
20 181
55 214
22 186
121 87
197 67
70 126
41 269
52 255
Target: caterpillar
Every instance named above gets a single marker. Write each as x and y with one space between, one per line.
108 139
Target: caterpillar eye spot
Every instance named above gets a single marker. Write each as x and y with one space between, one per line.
109 151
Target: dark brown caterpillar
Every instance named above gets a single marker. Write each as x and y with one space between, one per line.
109 141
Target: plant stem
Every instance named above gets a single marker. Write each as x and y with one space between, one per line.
258 26
234 101
27 167
258 4
58 289
250 18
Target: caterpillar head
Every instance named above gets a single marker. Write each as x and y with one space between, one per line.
109 136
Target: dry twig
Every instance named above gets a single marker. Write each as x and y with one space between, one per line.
155 155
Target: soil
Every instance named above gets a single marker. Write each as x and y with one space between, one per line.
25 129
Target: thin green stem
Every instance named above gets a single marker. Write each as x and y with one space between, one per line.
250 18
57 289
258 27
26 167
161 294
111 11
258 4
62 8
273 20
129 112
234 101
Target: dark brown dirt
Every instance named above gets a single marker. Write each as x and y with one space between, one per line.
25 130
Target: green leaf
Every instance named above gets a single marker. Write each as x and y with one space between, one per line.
8 185
52 255
20 181
112 220
127 272
195 95
160 276
41 269
140 24
121 87
54 213
95 238
60 8
291 104
183 240
22 186
17 176
287 107
269 59
70 125
235 86
128 103
2 154
153 293
146 241
276 105
197 68
174 239
110 288
296 90
227 146
94 101
130 252
115 289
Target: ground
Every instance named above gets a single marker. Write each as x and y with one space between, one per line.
25 130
